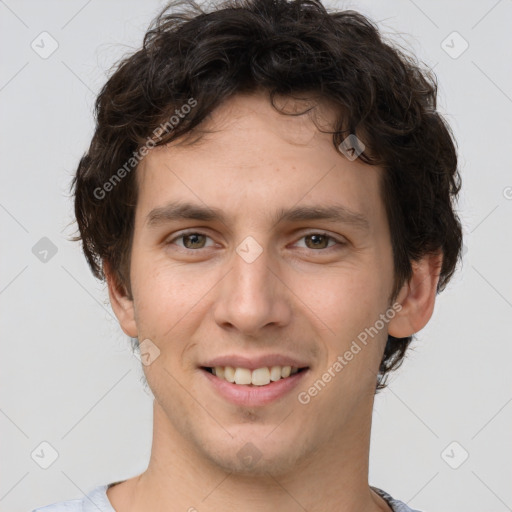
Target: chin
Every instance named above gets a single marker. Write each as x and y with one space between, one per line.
263 465
257 454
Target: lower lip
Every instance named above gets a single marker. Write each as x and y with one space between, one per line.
254 396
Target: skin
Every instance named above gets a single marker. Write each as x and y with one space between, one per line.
201 300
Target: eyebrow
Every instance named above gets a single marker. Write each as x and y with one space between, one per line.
189 211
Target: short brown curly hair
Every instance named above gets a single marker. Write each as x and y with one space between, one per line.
283 47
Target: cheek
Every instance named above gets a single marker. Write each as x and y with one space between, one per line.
345 301
162 296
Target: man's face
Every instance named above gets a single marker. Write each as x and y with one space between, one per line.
250 286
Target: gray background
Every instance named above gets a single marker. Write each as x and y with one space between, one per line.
68 376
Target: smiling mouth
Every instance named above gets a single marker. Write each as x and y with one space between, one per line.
258 377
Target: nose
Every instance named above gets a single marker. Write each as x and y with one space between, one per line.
253 296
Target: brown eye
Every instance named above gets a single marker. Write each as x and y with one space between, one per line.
191 240
320 241
317 241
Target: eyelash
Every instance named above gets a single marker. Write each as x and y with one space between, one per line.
320 233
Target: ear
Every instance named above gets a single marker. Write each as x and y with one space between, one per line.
417 297
121 302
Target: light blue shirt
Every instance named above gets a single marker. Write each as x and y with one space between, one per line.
97 501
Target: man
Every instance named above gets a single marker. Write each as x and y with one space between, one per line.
269 195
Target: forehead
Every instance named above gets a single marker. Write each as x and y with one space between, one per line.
249 123
249 156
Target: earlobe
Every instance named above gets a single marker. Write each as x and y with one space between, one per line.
417 297
121 303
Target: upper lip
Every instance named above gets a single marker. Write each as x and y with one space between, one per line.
254 362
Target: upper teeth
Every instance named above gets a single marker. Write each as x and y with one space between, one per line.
258 377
